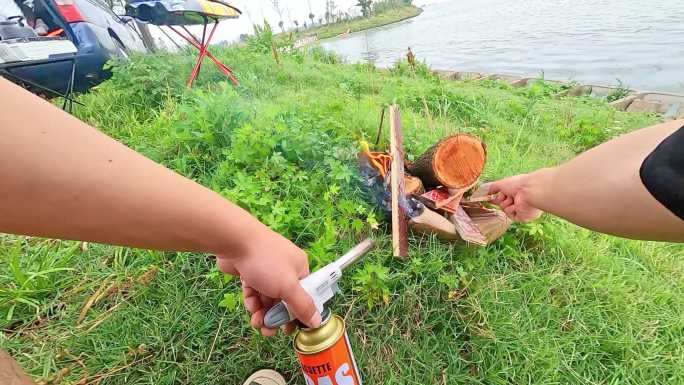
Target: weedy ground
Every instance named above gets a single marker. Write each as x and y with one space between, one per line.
549 303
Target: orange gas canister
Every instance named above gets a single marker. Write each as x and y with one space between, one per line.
325 354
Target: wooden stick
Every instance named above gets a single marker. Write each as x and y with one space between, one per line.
377 137
429 222
218 329
399 231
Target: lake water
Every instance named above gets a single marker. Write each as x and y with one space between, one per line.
640 42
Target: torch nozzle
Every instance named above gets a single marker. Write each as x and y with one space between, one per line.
355 253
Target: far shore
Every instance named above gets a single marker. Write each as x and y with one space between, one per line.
346 27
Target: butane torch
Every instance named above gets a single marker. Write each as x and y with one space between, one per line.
321 285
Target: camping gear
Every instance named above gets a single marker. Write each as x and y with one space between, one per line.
325 354
321 285
177 14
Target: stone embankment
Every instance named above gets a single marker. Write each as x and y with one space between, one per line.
670 106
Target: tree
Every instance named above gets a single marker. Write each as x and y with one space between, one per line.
279 11
296 23
311 15
289 16
330 8
366 7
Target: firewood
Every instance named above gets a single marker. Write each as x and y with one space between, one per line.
480 194
413 185
493 225
439 199
454 162
398 195
466 228
429 222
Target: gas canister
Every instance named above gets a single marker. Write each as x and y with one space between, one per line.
325 354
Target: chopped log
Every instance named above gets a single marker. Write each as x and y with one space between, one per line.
492 226
466 228
429 222
399 230
413 185
454 162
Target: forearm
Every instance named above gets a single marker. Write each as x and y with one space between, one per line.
601 189
64 179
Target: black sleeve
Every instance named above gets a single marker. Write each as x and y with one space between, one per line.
662 172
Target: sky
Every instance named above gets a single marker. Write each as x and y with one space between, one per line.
255 11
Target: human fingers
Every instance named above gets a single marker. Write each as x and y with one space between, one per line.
301 305
498 198
251 299
511 212
225 265
257 319
491 187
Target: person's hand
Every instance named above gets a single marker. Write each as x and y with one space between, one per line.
513 198
270 267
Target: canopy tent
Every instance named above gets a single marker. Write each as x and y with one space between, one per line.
181 13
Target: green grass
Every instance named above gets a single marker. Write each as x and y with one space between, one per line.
386 16
549 303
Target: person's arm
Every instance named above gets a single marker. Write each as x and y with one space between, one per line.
60 178
600 189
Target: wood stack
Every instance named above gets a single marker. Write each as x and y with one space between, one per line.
444 180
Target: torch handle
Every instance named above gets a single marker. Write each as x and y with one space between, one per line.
278 314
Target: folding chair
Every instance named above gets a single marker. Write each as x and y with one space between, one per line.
181 13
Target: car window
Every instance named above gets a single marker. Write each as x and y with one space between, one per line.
8 8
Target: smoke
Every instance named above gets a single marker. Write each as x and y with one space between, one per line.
378 189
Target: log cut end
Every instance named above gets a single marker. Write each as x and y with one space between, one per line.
458 161
413 185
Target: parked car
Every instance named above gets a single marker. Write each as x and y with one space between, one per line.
97 34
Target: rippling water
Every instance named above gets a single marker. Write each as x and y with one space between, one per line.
640 42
